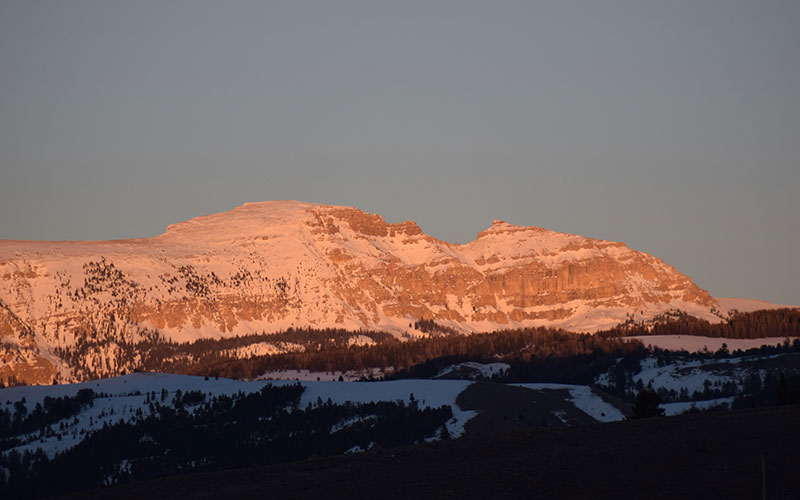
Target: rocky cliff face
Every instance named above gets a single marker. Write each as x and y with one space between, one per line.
268 266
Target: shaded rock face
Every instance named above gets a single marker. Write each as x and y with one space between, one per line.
268 266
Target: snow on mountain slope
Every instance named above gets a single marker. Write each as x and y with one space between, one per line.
730 304
273 265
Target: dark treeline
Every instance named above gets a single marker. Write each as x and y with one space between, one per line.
752 325
152 352
433 328
52 410
774 389
330 350
523 345
621 372
571 357
225 431
619 364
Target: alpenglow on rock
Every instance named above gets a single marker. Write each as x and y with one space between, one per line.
273 265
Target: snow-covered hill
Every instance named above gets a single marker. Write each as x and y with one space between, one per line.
128 398
683 382
264 267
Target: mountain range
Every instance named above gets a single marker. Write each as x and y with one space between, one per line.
269 266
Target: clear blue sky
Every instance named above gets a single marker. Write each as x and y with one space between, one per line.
672 126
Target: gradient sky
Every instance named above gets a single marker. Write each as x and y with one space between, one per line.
672 126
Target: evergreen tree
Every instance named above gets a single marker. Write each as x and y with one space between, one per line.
646 404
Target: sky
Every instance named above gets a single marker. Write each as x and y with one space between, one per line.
671 126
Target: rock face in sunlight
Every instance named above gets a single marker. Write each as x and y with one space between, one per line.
273 265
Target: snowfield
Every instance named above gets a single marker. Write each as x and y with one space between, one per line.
678 408
128 398
686 374
683 382
427 393
692 343
730 304
474 370
125 398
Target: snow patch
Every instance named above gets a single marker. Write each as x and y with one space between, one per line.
475 370
125 398
585 400
678 408
693 343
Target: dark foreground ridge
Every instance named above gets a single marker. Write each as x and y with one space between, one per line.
705 455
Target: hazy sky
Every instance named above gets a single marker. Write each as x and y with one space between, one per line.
672 126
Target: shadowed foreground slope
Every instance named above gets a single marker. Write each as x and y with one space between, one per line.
712 455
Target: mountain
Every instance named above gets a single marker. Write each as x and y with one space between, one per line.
279 264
